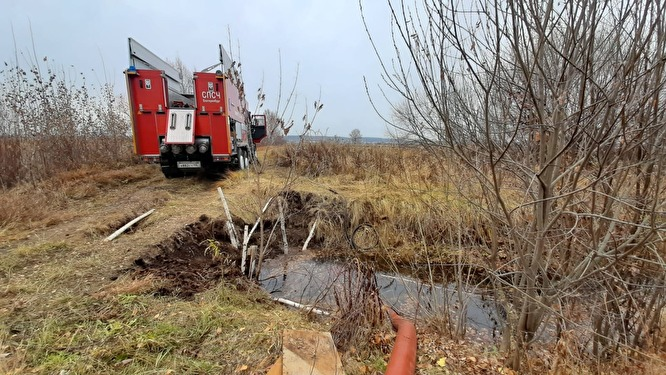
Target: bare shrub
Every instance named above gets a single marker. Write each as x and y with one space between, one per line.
359 307
556 110
51 120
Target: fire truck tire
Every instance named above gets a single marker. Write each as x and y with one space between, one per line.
239 164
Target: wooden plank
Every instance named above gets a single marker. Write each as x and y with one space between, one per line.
126 226
246 239
230 224
276 369
283 227
309 352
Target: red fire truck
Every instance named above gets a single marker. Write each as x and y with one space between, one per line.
208 128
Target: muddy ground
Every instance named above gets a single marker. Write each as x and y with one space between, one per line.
197 256
186 264
164 296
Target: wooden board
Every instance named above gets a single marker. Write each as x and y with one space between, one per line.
276 369
309 352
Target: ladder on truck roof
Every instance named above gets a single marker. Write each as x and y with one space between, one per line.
142 58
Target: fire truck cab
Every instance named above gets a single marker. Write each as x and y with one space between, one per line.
207 129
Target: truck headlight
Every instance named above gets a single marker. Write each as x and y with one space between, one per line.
203 147
164 148
176 149
190 149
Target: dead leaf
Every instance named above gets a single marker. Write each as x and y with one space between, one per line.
441 362
125 362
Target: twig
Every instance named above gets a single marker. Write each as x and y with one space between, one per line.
247 236
256 223
263 251
126 226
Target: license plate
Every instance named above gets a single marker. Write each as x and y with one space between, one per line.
188 164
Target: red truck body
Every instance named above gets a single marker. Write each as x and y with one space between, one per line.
209 129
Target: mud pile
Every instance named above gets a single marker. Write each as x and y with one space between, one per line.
331 212
192 259
196 257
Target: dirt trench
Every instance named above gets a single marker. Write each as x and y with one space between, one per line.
196 257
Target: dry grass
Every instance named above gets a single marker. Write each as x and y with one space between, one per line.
59 310
410 197
44 203
64 308
54 121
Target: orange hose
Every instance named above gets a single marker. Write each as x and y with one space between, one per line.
403 355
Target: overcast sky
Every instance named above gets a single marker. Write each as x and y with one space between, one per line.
325 39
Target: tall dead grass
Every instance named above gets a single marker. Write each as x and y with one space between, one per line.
408 195
53 120
41 203
363 162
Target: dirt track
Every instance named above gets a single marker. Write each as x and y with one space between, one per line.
83 223
175 245
70 301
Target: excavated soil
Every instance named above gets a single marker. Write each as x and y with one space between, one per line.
196 257
186 264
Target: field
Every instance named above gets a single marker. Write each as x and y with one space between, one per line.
168 297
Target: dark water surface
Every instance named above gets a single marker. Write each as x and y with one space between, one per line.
309 281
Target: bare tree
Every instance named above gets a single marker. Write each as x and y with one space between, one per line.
186 75
558 110
276 128
355 136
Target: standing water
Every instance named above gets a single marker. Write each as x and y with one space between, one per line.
311 282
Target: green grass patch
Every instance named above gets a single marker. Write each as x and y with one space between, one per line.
223 329
26 255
